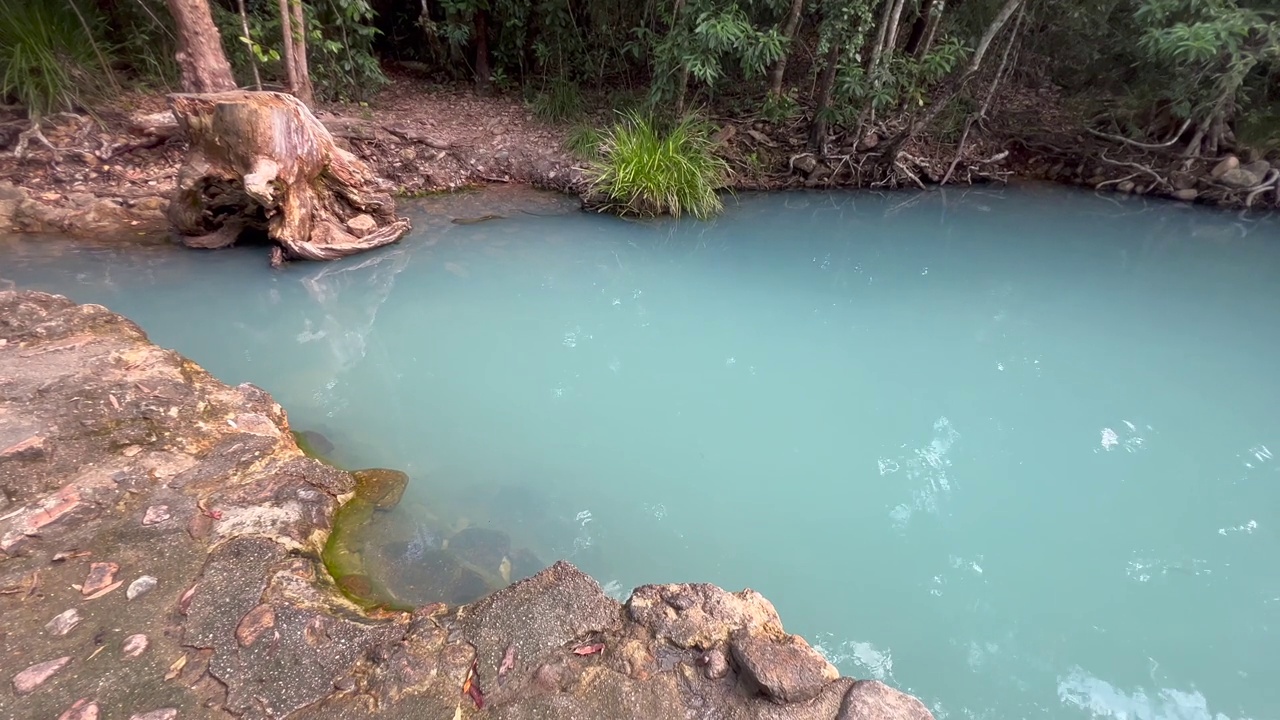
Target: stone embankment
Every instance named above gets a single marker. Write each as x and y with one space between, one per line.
161 544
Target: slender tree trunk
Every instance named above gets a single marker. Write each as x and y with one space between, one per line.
200 56
919 28
482 50
788 32
818 130
253 61
286 27
984 44
931 31
303 90
891 40
873 61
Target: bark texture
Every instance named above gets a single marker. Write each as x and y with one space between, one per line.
261 163
204 66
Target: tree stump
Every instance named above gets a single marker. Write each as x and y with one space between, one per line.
261 163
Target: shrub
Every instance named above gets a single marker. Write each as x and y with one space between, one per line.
647 170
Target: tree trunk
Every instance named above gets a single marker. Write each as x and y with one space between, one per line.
482 51
200 56
303 89
891 41
248 39
931 30
818 130
261 164
788 32
286 28
919 28
873 61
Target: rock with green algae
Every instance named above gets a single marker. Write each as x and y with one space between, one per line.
380 486
244 620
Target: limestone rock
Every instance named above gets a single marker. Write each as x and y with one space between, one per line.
805 163
1186 194
141 586
362 224
873 700
1258 168
785 670
1229 163
1125 186
1239 178
701 615
1182 180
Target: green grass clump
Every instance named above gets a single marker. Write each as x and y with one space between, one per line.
48 60
584 141
559 102
648 170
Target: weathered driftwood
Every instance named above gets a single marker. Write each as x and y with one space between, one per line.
261 163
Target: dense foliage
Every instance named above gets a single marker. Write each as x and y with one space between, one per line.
1204 74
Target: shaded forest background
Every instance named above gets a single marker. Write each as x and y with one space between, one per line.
1201 75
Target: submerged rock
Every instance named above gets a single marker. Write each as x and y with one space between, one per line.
380 486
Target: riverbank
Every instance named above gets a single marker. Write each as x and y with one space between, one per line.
161 537
116 178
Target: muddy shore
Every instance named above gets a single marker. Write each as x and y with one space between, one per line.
116 177
163 547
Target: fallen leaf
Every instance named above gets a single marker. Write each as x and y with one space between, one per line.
471 687
588 649
114 402
104 590
176 668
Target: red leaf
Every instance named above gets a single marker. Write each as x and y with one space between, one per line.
588 649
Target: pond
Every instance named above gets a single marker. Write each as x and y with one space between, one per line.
1012 451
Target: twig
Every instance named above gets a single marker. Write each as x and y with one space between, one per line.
1269 182
1105 183
32 134
1135 166
1135 143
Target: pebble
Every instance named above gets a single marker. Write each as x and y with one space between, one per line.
162 714
31 678
82 709
156 514
141 586
134 645
64 623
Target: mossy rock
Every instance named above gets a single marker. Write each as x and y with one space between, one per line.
380 486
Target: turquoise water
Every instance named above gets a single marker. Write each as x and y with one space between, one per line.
1011 451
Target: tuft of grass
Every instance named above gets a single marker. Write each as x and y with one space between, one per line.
584 141
49 61
560 101
648 170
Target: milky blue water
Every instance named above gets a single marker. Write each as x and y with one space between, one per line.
1013 452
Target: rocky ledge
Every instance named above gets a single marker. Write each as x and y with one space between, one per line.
161 540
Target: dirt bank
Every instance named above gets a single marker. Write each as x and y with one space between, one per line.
117 177
161 537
